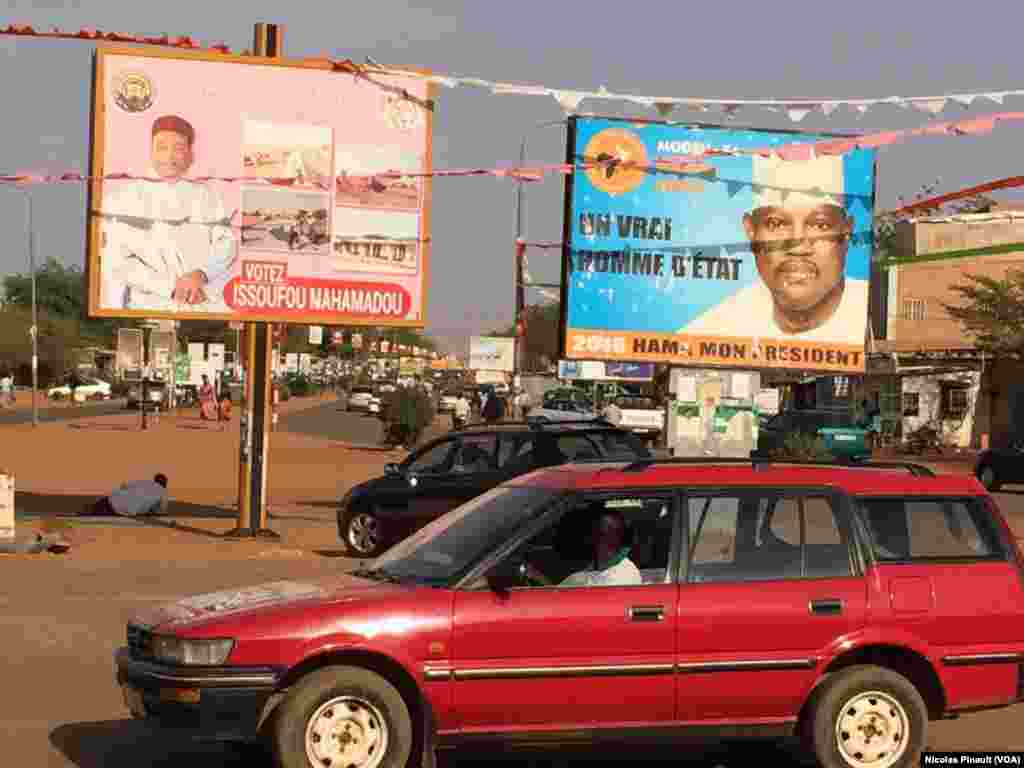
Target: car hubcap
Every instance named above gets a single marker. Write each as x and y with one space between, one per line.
346 732
364 532
988 477
872 730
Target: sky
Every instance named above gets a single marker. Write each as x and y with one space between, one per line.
785 49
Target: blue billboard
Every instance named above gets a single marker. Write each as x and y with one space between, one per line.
740 260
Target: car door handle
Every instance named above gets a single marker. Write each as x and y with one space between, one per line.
828 606
646 613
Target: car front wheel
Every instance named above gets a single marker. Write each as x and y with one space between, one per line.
988 478
363 532
868 717
343 717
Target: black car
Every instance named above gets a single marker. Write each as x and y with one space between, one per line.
453 469
1001 466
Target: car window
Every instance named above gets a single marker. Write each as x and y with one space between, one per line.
447 548
512 448
362 390
563 555
432 460
575 447
765 536
620 445
922 529
475 453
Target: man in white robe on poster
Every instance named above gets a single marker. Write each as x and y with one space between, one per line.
799 233
166 246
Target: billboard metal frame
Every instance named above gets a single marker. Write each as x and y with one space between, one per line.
570 159
98 107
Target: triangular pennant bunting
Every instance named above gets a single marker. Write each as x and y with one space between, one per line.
569 100
996 97
732 187
828 107
798 112
931 106
665 108
965 99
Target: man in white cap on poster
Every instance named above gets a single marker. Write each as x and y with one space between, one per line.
165 245
799 233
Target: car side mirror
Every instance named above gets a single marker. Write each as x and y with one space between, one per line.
506 575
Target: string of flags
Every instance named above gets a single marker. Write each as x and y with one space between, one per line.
693 164
570 100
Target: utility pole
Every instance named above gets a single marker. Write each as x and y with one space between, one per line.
255 417
35 317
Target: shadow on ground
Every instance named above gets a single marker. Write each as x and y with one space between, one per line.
133 744
28 504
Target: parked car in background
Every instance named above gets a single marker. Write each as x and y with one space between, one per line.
156 392
359 398
640 415
848 607
453 469
844 438
997 467
563 410
88 389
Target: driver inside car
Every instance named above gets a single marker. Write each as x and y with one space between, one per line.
611 564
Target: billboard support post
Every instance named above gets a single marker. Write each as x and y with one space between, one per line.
252 502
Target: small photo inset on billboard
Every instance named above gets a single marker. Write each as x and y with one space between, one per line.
285 220
289 154
360 181
376 241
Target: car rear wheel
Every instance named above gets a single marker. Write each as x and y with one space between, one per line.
343 717
988 478
868 717
363 532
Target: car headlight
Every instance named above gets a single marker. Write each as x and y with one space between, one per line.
191 652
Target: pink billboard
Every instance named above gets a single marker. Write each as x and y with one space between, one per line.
257 190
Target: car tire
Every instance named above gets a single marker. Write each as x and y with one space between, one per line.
362 532
334 703
988 478
865 697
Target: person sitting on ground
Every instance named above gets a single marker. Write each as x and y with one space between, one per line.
135 498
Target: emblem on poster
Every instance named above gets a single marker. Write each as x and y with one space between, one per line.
133 92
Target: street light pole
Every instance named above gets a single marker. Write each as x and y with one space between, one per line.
520 208
34 330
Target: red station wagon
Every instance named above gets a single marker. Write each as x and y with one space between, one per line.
846 605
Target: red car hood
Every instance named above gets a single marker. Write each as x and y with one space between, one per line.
272 595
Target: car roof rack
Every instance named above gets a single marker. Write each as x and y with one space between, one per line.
537 424
917 470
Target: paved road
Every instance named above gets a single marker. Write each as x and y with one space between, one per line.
331 422
63 413
61 621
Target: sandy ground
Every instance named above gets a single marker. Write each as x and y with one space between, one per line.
59 468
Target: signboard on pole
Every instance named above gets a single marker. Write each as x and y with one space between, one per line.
130 353
594 370
319 231
196 351
736 260
491 353
316 335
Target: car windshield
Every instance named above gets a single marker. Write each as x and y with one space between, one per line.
362 391
448 547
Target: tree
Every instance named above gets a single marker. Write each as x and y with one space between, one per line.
992 311
60 295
